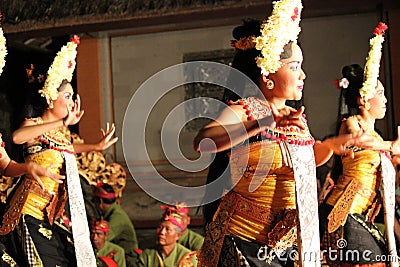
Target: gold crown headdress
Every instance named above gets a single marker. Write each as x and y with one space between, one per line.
371 70
3 48
281 28
62 68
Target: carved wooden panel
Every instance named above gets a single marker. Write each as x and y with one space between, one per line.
194 90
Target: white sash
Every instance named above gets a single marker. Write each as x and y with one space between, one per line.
388 188
80 229
303 161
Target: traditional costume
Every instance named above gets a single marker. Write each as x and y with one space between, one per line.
259 225
367 182
270 216
33 217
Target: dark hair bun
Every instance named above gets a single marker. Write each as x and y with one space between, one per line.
248 28
354 73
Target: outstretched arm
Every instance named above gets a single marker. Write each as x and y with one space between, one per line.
105 142
232 127
30 129
379 144
350 134
369 141
228 130
339 145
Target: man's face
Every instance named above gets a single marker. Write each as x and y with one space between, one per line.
167 234
98 238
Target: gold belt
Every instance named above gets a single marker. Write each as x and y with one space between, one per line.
247 207
13 213
338 216
233 203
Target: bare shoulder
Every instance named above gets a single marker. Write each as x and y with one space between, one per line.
350 126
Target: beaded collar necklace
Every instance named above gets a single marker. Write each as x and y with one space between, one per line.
256 109
55 139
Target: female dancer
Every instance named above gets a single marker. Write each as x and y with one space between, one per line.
11 168
367 179
272 161
33 216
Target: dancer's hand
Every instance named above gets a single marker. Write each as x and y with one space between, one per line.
75 114
107 140
344 144
288 116
35 171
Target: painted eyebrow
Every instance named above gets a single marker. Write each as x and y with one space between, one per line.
294 61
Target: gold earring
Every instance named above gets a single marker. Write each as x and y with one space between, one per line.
270 84
50 103
364 103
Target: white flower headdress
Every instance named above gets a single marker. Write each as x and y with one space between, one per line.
62 68
3 48
281 28
371 71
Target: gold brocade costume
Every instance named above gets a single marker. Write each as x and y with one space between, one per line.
266 196
364 171
261 207
36 204
356 189
352 206
29 198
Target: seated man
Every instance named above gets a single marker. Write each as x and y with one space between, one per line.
102 248
168 252
121 231
189 238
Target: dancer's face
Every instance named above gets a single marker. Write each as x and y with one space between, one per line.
378 103
289 78
64 102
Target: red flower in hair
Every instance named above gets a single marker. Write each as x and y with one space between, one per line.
296 13
76 39
380 30
336 82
